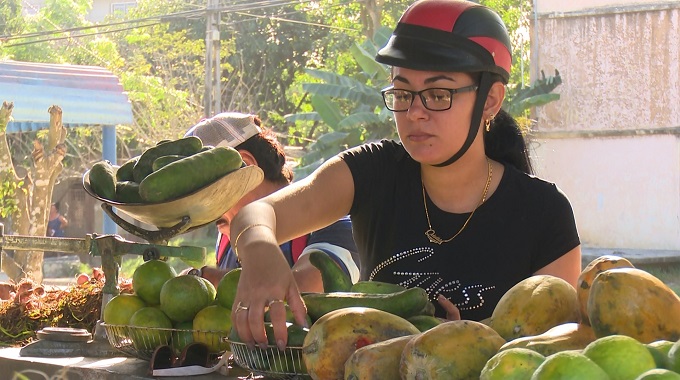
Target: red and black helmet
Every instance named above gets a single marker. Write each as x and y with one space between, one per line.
456 36
449 35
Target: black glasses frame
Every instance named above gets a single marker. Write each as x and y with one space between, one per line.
390 90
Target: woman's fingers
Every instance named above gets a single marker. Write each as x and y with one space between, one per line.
297 306
239 318
256 324
452 312
277 312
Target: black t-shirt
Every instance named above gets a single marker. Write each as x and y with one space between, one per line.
526 224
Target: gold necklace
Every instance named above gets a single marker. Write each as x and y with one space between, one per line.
431 234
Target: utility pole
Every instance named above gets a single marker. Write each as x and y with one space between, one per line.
213 93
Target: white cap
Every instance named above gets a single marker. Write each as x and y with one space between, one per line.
225 129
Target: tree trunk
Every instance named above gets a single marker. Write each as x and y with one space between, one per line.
370 17
34 192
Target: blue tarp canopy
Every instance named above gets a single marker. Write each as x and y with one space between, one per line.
87 95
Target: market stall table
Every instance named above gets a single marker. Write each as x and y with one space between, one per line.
82 368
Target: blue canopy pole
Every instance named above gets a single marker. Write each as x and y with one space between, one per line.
109 153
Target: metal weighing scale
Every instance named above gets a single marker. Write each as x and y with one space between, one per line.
171 218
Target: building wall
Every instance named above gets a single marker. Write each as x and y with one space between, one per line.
612 141
100 8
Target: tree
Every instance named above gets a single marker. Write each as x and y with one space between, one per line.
32 192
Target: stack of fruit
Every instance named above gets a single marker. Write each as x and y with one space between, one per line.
169 309
169 170
620 323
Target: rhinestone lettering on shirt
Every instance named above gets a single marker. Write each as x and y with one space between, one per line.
432 282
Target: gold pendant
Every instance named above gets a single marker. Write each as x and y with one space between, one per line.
432 236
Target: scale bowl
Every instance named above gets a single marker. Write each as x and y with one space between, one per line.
203 206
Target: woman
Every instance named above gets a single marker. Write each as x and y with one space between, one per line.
452 208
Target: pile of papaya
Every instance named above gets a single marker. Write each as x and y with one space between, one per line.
166 171
620 322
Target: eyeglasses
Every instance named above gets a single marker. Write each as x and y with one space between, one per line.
434 99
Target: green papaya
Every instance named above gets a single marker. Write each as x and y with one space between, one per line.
124 172
128 192
424 322
189 174
103 180
333 277
405 304
377 287
186 146
165 160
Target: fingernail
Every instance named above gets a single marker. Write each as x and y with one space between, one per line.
263 346
280 345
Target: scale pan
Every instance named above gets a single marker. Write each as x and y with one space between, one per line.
203 206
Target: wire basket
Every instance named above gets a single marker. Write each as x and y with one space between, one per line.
270 362
140 342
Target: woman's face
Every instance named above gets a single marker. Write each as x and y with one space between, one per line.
432 137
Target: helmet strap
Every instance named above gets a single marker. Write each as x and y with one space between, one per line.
482 92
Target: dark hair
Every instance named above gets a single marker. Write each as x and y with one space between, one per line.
56 205
505 142
270 156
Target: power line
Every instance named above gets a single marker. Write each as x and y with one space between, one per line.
247 6
80 35
166 17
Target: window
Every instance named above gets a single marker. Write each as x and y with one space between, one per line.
122 7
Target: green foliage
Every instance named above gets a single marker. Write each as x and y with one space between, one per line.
11 22
348 110
9 206
519 101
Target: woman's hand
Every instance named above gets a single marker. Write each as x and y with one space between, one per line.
452 312
266 282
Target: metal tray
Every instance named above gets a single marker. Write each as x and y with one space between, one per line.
271 362
140 342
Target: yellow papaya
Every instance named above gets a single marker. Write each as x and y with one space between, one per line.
633 302
453 350
377 361
336 335
588 274
567 336
533 306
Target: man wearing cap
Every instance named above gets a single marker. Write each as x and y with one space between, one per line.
260 147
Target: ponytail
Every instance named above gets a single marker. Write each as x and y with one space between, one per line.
505 143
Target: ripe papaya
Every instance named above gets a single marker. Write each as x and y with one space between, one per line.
189 174
103 180
376 287
567 336
335 336
633 302
533 306
405 304
334 279
186 146
588 274
453 350
377 361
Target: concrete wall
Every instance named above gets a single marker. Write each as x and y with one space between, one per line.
612 142
547 6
